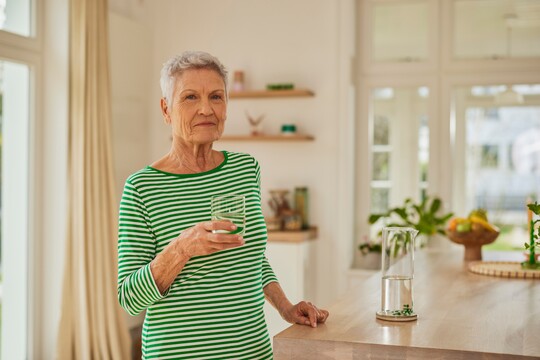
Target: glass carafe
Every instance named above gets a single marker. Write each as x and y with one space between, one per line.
397 274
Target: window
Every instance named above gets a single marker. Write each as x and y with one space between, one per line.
16 17
400 128
500 159
14 214
19 56
400 31
442 115
496 29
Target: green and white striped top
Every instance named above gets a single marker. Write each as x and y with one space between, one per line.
214 308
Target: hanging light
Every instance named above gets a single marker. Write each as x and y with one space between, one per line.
508 97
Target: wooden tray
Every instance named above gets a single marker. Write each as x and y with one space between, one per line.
507 269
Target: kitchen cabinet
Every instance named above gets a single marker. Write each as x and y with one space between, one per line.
291 254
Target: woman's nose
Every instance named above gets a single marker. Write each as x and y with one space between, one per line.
205 108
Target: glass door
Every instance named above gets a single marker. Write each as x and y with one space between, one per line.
399 146
497 149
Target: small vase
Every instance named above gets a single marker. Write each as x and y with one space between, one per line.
370 261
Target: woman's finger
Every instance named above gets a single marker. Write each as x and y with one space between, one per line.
311 314
225 238
218 225
325 315
319 314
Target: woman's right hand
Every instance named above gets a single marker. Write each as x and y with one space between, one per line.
200 240
195 241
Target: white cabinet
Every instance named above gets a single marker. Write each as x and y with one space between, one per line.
293 264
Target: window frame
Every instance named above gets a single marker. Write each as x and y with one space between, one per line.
477 65
455 174
28 51
28 43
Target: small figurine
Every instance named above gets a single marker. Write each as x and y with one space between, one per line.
255 124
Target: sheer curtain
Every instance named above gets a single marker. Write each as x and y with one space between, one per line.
92 324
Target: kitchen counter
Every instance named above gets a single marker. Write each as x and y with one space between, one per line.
461 315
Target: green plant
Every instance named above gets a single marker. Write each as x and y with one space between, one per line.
423 217
534 240
369 247
407 311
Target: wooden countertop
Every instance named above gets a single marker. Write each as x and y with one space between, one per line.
461 315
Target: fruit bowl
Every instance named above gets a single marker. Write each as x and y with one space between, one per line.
473 240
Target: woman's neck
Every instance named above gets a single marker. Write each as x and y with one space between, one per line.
184 158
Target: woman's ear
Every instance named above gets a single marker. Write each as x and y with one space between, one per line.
165 111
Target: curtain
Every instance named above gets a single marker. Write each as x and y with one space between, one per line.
92 324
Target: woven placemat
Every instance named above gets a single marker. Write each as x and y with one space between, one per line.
507 269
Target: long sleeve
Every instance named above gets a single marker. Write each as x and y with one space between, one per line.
136 248
268 274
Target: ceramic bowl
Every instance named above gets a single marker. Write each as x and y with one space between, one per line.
473 241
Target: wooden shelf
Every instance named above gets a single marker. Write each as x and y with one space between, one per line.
293 236
284 138
270 93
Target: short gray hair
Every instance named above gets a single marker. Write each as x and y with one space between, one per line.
188 60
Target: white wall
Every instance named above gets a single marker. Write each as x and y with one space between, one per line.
293 41
130 46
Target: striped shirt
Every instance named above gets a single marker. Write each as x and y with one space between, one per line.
214 308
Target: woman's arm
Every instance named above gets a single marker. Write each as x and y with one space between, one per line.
143 276
195 241
304 313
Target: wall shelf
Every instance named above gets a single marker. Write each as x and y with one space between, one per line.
293 236
265 138
249 94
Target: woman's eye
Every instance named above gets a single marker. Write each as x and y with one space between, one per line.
217 97
190 97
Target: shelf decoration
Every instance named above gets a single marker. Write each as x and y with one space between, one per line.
247 94
255 124
238 81
285 217
280 86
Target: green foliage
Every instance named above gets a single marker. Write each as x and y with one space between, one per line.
422 217
368 247
534 239
407 311
535 208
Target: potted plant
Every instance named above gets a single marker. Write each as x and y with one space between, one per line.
370 254
534 239
423 217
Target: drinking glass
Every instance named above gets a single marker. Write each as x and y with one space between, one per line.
397 274
231 208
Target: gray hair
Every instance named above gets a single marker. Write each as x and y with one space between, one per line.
188 60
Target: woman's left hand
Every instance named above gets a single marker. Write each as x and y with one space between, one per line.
305 313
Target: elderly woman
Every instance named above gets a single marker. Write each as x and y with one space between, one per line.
202 286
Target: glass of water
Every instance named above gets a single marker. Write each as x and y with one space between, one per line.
231 208
397 274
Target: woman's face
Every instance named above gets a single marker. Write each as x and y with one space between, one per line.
198 107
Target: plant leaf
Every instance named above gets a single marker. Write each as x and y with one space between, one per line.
374 217
535 208
401 212
435 205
